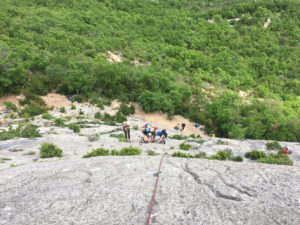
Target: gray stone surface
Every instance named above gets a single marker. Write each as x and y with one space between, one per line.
118 190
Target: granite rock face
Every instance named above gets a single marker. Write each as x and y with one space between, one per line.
118 190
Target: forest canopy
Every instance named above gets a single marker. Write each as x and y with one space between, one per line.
193 58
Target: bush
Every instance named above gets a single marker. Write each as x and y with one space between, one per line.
10 106
81 112
47 116
182 155
98 115
73 107
119 136
74 127
29 153
100 106
279 159
49 150
29 131
129 151
200 155
59 122
151 153
126 110
97 152
33 109
79 98
135 127
184 146
62 110
95 137
119 117
192 135
221 155
178 137
255 154
273 145
237 158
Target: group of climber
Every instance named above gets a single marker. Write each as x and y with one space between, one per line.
149 133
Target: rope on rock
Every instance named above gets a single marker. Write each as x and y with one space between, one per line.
155 188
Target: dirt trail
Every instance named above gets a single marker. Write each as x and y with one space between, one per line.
161 119
11 98
56 100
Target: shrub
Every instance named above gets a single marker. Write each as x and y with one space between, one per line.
255 154
47 116
29 98
119 136
78 98
73 107
177 137
13 116
30 131
273 145
62 110
49 150
95 101
220 142
81 112
59 122
95 137
279 159
181 154
97 152
29 153
135 127
129 151
100 106
184 146
192 135
126 110
119 117
200 155
221 155
98 115
236 158
74 127
10 106
33 109
151 153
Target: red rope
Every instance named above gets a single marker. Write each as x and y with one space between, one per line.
154 192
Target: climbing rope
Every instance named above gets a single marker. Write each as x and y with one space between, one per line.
155 188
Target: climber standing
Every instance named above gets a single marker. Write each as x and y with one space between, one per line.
126 129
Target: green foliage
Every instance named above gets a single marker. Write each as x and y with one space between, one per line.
129 151
49 150
273 146
178 137
279 159
61 45
119 117
98 116
182 155
97 152
200 155
73 107
255 154
151 153
120 137
74 127
125 110
29 153
35 105
81 112
135 127
10 106
95 137
47 116
184 146
237 158
221 155
62 110
27 131
59 122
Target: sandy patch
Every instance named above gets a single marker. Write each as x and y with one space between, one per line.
113 57
161 119
266 24
11 98
56 100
